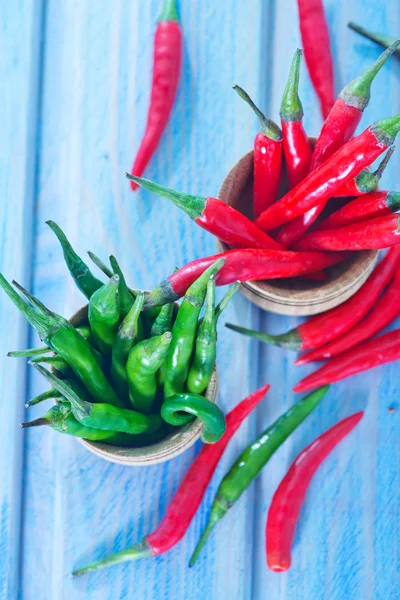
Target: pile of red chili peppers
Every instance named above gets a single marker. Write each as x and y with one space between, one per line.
111 370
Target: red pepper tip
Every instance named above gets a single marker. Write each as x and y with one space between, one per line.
278 564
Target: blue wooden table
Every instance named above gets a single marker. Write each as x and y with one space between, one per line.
75 87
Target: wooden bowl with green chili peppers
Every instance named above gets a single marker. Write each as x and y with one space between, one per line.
136 384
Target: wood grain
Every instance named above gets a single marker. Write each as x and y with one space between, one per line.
94 90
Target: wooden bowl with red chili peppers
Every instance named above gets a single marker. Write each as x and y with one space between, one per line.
294 296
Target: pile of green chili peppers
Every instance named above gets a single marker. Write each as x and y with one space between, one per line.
127 376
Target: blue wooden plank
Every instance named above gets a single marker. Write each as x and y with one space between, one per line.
20 28
97 73
346 545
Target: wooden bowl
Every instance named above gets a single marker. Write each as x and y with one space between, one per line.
297 296
173 444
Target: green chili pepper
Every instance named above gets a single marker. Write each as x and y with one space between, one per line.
55 362
162 324
100 265
68 343
163 321
205 351
51 394
126 337
84 330
82 275
252 460
126 299
184 332
61 419
103 416
194 405
144 361
104 314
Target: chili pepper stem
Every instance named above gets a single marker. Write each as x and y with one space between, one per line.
291 108
290 340
169 12
378 38
99 264
139 550
44 325
268 127
35 423
358 92
192 205
29 352
220 507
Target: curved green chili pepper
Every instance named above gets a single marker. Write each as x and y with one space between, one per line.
126 299
184 332
86 282
68 343
61 419
144 361
205 352
104 314
100 265
103 416
210 414
126 337
55 362
162 324
252 460
163 321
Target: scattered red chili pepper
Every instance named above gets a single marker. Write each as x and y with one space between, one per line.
188 496
213 215
296 148
288 499
242 265
337 130
267 158
386 310
317 52
379 351
382 232
321 184
365 182
370 206
323 328
166 69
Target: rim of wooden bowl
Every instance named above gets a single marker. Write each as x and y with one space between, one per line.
172 445
296 297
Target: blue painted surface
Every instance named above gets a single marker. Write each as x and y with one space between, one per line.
75 80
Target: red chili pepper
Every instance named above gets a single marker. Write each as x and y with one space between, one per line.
213 215
267 158
386 310
166 69
321 184
323 328
382 232
296 148
242 265
189 494
370 206
365 182
338 129
316 44
379 351
288 499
